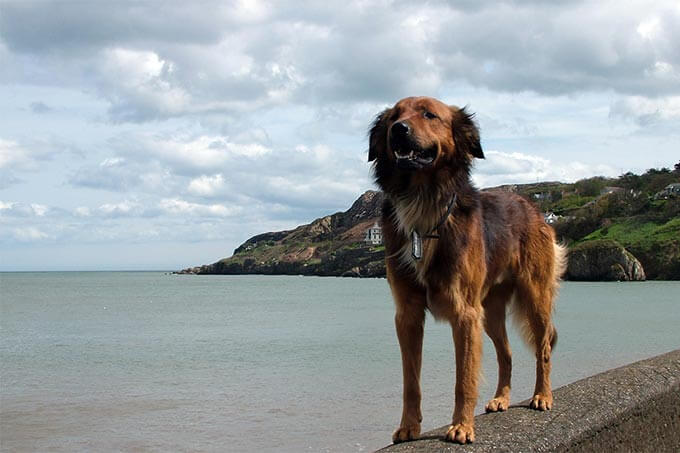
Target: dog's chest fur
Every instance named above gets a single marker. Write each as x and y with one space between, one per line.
416 213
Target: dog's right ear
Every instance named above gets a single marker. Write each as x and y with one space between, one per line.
378 135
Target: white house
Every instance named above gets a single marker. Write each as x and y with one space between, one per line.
550 218
374 235
671 190
542 196
611 189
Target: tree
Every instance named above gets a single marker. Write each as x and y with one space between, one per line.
630 181
591 187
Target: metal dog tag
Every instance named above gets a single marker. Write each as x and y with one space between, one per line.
416 245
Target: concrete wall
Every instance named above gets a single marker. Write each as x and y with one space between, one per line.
635 408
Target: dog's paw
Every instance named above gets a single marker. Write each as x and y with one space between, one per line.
461 433
406 433
541 402
498 404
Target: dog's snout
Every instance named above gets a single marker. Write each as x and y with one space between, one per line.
400 129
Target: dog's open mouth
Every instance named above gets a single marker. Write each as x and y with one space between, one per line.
415 159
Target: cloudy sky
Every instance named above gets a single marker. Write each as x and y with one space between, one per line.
159 135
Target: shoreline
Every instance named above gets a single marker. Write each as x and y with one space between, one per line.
358 277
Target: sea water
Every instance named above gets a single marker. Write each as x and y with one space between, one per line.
149 361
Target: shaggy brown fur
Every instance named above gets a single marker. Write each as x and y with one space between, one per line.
487 251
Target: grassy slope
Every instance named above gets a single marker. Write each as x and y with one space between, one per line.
647 227
656 245
641 234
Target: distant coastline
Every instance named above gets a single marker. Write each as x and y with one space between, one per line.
617 229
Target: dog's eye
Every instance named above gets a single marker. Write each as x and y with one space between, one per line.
429 115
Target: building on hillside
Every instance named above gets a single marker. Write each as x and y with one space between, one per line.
540 196
550 218
671 190
374 235
611 189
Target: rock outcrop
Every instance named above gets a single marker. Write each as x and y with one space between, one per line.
329 246
603 260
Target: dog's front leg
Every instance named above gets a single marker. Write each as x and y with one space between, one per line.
467 332
409 322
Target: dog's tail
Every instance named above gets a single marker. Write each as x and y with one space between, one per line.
559 267
535 297
553 338
559 262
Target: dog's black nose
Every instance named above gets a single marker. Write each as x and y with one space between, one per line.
400 129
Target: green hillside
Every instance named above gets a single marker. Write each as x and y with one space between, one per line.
632 211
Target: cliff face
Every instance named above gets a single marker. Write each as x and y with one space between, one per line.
603 260
329 246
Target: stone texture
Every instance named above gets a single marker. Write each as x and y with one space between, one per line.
635 408
603 260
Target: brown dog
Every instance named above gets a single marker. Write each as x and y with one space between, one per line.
461 254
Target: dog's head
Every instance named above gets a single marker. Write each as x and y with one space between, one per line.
421 135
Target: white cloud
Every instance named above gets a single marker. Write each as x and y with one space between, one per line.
246 150
121 209
82 211
516 168
20 209
649 28
207 186
12 154
250 11
28 155
137 68
205 152
29 234
39 209
112 162
178 206
647 111
246 57
121 174
140 84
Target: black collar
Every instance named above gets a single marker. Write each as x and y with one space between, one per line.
449 209
417 242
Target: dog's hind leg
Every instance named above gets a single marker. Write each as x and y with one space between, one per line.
544 335
494 323
536 309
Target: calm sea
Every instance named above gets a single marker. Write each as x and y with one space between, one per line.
146 361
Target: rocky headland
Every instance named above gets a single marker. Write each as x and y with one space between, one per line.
617 229
329 246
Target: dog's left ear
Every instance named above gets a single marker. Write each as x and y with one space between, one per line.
378 135
466 133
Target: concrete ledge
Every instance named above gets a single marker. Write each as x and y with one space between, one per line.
635 408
